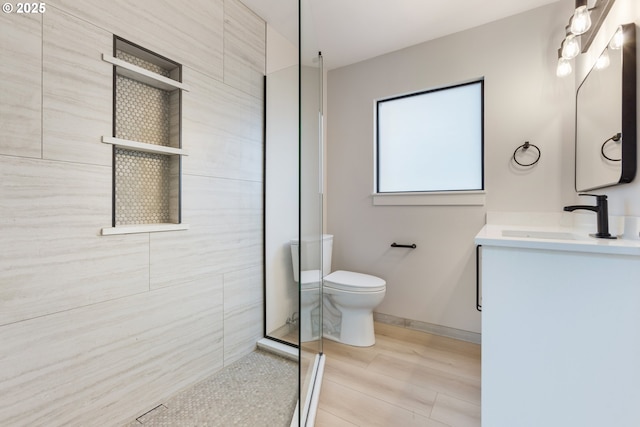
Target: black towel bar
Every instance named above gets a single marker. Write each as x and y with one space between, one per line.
411 246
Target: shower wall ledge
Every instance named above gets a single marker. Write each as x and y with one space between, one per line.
146 228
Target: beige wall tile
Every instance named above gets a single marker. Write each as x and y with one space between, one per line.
245 34
225 234
77 90
51 257
190 33
99 329
98 365
21 84
244 48
243 312
222 130
50 198
239 74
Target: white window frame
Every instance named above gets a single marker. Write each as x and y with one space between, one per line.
474 197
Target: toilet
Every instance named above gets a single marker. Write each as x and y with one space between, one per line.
309 301
348 297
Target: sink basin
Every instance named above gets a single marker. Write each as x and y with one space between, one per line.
536 234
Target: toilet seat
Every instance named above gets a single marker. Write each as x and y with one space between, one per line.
354 282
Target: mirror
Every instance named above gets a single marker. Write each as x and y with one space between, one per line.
606 116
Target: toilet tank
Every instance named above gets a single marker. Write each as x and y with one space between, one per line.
311 254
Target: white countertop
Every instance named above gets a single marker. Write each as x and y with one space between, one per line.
558 232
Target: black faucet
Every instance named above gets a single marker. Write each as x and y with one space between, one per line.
601 209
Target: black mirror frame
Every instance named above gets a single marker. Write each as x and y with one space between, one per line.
629 104
629 111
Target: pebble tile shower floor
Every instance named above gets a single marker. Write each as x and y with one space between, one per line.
260 389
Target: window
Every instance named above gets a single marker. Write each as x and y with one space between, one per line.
431 141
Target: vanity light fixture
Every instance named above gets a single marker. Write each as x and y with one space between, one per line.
570 47
580 32
581 20
564 66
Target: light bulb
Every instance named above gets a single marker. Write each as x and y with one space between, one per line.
570 47
564 67
581 21
603 61
618 40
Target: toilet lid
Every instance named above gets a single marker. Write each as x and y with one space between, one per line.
354 282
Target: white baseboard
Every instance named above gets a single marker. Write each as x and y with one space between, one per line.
431 328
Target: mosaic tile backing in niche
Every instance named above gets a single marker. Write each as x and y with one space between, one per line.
142 112
132 59
142 183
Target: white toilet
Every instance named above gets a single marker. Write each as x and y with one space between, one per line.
349 297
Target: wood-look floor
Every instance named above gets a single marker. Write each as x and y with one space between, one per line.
408 378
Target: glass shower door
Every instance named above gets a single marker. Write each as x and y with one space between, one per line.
311 214
294 211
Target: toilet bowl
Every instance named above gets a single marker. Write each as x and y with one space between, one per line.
307 274
310 283
354 295
349 297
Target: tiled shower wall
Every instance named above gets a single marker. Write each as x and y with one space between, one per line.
96 330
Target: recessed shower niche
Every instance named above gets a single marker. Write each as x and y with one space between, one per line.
146 139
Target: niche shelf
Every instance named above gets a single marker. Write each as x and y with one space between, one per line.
146 141
134 72
143 146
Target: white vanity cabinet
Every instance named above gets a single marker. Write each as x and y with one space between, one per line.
560 331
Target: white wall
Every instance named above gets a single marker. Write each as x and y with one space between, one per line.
281 53
524 101
97 330
281 193
623 199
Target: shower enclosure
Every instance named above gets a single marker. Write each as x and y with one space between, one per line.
311 226
294 210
